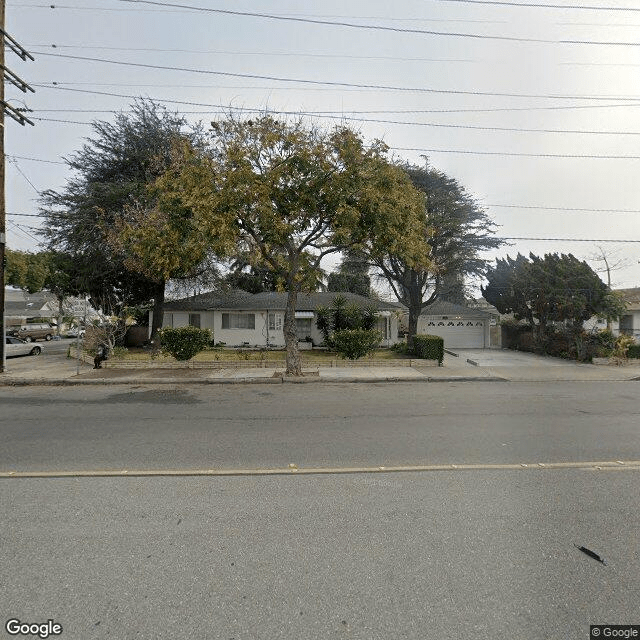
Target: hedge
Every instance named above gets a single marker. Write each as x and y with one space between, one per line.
633 351
355 343
428 347
184 342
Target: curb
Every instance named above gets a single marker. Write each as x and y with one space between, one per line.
70 382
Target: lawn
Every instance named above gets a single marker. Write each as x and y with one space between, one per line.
250 355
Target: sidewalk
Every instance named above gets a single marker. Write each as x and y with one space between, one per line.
64 371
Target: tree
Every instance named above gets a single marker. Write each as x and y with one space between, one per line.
353 274
457 230
554 288
294 195
47 270
113 173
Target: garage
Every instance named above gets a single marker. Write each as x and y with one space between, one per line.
460 327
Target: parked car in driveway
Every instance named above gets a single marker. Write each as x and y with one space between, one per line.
74 332
17 347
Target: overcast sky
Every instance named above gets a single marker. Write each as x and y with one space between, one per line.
535 110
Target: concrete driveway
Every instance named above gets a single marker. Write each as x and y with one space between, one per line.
519 365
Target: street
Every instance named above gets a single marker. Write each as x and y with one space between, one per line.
484 553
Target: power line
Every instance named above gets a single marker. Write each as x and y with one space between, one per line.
291 15
514 154
353 25
571 209
57 85
567 239
539 5
14 162
435 125
338 84
35 159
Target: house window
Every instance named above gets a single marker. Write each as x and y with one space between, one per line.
194 320
275 322
238 320
431 324
303 328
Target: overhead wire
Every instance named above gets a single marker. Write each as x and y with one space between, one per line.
336 83
353 25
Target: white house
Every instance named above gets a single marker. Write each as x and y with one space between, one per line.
238 318
460 327
629 323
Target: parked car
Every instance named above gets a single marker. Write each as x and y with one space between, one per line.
35 331
74 332
17 347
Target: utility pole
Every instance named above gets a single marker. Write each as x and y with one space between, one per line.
7 41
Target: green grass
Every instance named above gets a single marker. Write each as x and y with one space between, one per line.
249 355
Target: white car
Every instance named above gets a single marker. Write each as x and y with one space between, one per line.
17 347
73 333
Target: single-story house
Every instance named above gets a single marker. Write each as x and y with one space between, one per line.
629 322
461 327
239 318
21 307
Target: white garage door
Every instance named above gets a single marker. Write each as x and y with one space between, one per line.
458 334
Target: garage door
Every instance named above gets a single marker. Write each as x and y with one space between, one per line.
458 334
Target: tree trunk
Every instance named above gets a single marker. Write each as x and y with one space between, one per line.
414 312
294 362
158 312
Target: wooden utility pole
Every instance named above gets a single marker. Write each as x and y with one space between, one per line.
7 74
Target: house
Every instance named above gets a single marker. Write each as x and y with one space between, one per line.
460 326
21 307
240 318
628 323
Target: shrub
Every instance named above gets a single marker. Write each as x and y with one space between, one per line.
355 343
621 350
119 352
184 342
633 351
428 347
341 316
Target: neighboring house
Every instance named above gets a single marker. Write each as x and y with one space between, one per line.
239 318
629 323
461 327
21 307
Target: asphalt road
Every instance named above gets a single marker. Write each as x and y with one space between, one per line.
443 554
95 428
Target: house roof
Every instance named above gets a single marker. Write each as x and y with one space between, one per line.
444 308
269 300
632 297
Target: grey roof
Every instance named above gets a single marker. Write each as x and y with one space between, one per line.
443 308
20 309
269 300
34 300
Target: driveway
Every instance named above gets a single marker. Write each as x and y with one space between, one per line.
519 365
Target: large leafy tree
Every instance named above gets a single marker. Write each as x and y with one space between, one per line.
113 173
553 288
294 194
352 275
457 230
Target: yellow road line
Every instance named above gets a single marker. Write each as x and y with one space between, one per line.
294 469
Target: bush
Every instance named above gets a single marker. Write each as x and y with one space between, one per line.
633 351
119 352
341 316
184 342
355 343
428 347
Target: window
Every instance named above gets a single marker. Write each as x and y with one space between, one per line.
238 321
431 324
303 328
194 320
275 322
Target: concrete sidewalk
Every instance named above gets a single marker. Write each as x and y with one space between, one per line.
63 371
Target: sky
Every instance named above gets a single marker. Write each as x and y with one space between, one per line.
535 110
